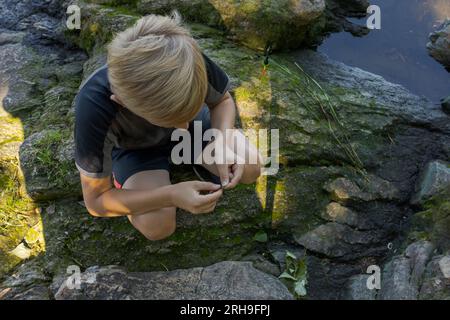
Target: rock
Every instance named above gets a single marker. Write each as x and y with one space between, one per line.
439 45
402 275
336 18
436 284
255 23
435 178
48 165
357 288
444 265
28 282
340 241
446 105
263 264
193 10
335 212
224 280
371 189
433 223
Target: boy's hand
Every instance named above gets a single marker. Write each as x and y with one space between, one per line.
230 174
187 196
230 166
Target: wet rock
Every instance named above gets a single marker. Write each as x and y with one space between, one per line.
402 276
439 45
224 280
338 12
435 178
446 105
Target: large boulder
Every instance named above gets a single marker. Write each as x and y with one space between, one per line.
224 280
255 23
439 45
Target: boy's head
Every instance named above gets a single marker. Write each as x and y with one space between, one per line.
157 71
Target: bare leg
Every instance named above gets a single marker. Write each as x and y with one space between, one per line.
155 225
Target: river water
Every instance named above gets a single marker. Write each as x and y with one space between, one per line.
398 51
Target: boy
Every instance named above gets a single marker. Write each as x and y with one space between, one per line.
156 80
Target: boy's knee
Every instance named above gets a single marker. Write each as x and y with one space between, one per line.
251 173
161 228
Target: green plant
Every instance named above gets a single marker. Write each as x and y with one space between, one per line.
260 236
296 275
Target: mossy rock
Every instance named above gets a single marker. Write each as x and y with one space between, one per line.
47 162
433 223
254 23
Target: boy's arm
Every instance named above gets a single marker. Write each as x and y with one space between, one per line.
103 200
223 116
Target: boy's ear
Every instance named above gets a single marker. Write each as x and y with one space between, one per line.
114 98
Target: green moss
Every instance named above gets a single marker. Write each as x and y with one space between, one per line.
57 171
433 223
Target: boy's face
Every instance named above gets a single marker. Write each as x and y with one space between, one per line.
182 125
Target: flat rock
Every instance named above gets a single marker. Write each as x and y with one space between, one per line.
224 280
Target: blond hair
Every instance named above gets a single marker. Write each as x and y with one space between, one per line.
157 70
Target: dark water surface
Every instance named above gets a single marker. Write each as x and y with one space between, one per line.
398 51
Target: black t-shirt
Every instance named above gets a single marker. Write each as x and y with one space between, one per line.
101 123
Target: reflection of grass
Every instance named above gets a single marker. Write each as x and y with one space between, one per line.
322 107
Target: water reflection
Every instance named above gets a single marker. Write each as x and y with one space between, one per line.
398 51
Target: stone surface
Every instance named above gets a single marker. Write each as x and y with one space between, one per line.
436 285
402 276
357 288
439 45
224 280
28 282
435 178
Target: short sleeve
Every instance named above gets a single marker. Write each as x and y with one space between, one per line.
218 82
93 143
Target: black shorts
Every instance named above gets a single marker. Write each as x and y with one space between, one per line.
126 163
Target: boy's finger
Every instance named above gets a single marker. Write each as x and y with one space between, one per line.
223 174
237 175
211 197
206 186
208 208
